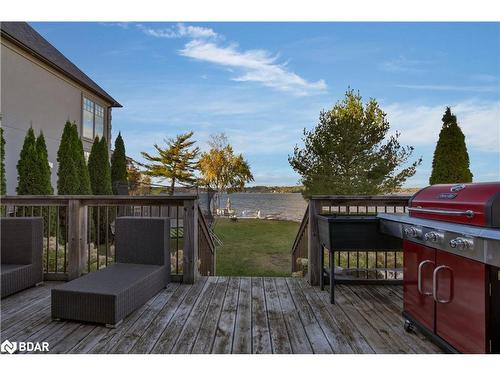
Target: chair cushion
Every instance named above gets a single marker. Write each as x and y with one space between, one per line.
17 277
21 240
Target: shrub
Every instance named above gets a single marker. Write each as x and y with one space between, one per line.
44 185
100 182
119 178
27 166
99 168
80 164
351 151
68 180
451 160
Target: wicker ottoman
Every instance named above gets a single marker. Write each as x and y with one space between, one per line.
109 295
141 270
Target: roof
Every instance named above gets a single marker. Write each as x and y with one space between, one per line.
27 38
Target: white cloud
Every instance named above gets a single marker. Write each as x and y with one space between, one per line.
420 124
486 77
179 31
404 65
255 66
268 140
450 88
121 25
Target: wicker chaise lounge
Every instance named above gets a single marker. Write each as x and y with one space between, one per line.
141 270
21 248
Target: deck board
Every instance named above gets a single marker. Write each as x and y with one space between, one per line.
343 324
134 333
261 339
229 315
206 335
172 331
190 331
295 329
374 316
223 342
386 307
280 342
242 340
150 336
314 332
337 340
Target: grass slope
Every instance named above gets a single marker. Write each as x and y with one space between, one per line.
255 247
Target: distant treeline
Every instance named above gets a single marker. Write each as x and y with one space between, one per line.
158 189
300 189
273 189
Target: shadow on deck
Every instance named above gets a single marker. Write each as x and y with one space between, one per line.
229 315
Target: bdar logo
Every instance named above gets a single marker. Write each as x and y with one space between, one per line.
8 347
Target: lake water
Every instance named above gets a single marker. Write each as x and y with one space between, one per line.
286 206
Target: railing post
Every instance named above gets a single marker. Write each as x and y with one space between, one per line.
313 246
190 267
214 262
77 226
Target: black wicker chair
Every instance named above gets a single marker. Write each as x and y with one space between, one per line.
141 270
21 248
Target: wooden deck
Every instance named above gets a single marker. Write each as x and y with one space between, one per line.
229 315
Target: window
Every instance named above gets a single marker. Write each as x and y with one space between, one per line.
93 119
99 121
88 119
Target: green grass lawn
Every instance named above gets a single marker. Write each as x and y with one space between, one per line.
255 247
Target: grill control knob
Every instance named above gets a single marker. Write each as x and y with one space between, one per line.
433 236
461 243
413 232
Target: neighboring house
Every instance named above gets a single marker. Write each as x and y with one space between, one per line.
41 88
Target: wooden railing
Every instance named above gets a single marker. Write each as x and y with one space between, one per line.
206 247
299 247
79 231
357 266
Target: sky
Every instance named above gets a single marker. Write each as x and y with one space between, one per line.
263 83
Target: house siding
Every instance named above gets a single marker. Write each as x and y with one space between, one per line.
33 94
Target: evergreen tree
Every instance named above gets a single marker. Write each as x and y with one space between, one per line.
176 162
100 182
99 168
350 152
92 163
81 165
27 166
44 185
451 160
3 183
68 179
119 167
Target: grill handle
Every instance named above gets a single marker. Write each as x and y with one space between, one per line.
435 285
419 277
467 213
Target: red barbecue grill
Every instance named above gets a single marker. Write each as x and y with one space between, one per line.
451 242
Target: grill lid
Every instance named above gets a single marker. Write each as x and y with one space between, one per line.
473 204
